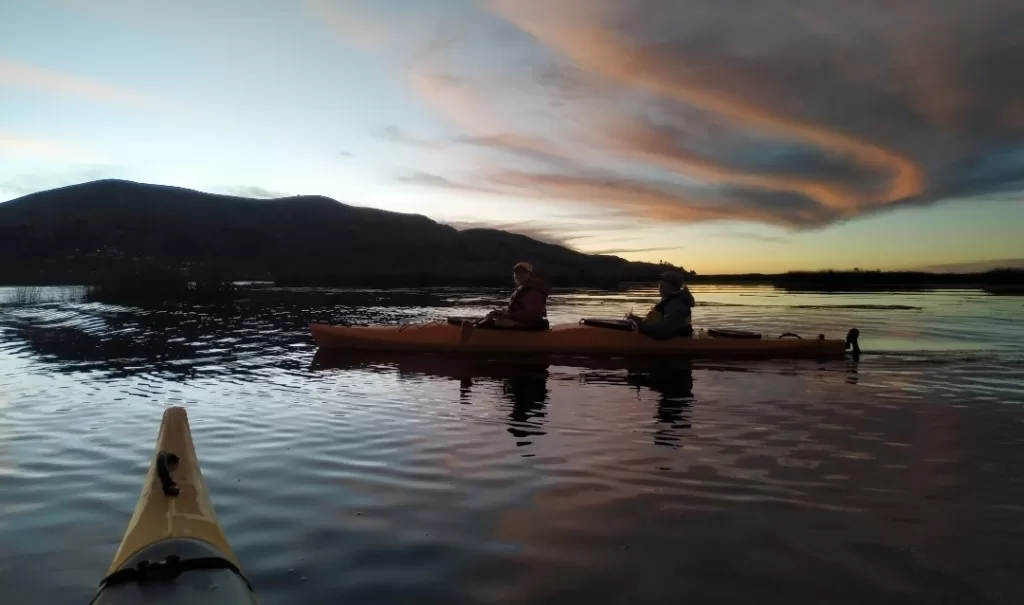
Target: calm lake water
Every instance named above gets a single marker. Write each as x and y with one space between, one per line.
895 479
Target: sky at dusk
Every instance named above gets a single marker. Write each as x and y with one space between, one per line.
721 135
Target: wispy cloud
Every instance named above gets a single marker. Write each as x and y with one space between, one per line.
568 231
254 191
535 149
786 113
453 100
621 251
647 199
349 24
752 237
394 134
19 74
543 232
51 150
427 179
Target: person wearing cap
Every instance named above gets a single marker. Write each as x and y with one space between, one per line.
528 304
671 316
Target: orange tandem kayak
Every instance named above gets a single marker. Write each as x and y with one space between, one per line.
573 339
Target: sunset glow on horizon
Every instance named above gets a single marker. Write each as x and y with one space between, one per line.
766 138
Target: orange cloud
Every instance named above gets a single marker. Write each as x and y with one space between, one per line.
462 106
639 141
688 111
564 27
452 101
630 198
635 198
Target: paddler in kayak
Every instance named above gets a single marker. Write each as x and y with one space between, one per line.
528 306
671 316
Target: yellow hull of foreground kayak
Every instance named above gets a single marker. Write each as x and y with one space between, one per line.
189 514
565 339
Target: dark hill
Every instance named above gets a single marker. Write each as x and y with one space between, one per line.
68 235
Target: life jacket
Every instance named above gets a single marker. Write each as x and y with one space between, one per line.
515 303
657 312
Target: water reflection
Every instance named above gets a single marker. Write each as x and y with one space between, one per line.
176 344
889 480
523 382
670 380
181 343
527 391
851 371
674 386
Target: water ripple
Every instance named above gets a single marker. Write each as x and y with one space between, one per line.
394 479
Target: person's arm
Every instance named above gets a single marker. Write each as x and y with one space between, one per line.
675 312
533 308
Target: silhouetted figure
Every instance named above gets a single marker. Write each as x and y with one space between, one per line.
672 315
528 305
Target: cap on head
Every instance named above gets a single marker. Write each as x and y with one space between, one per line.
523 266
672 277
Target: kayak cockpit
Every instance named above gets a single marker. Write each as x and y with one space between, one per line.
174 572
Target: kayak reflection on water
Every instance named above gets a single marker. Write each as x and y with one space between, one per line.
672 383
674 386
524 383
527 390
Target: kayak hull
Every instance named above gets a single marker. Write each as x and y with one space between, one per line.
565 339
174 519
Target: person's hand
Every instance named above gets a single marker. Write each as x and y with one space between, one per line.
633 325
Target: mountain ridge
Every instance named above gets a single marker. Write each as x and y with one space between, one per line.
71 234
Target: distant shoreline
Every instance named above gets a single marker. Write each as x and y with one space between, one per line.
997 281
1002 280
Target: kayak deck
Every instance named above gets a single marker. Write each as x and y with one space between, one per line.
186 515
174 551
564 339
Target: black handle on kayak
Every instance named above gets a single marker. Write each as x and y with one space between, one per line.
791 335
164 460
